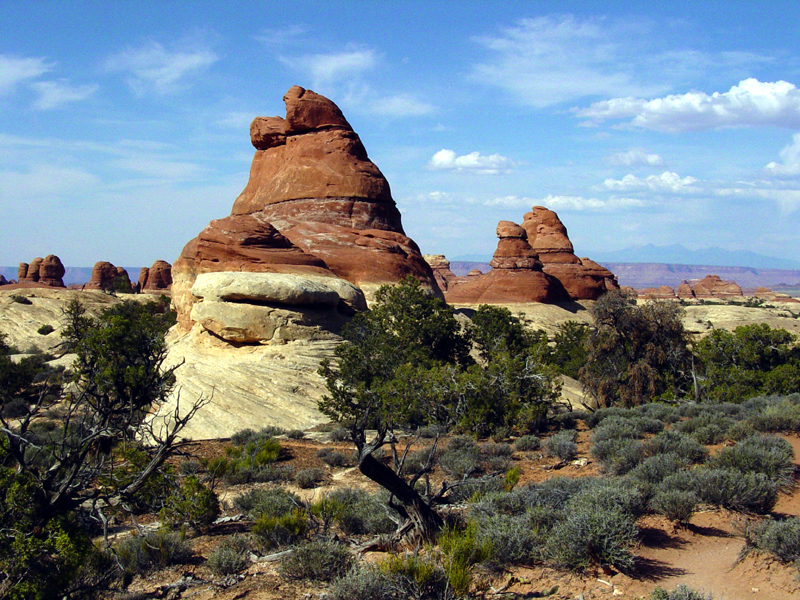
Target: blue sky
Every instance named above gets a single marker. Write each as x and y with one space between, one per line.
124 126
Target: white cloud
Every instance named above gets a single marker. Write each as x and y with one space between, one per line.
749 104
154 68
15 70
635 158
473 162
53 94
549 60
42 182
401 105
666 182
787 199
576 203
790 156
334 67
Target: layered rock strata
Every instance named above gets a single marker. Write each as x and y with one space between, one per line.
314 206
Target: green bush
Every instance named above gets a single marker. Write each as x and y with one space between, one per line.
779 538
230 556
675 442
516 539
681 592
139 554
309 478
562 444
461 458
415 576
461 550
269 502
676 505
727 488
361 512
415 461
771 455
609 494
654 469
192 503
365 582
272 532
295 434
322 560
332 458
618 456
527 443
46 329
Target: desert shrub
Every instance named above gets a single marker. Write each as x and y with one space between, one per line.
46 329
415 461
270 502
139 554
332 458
364 582
617 456
676 505
272 532
586 536
527 443
461 458
771 455
665 413
495 449
609 494
309 478
190 467
681 592
516 539
476 488
247 459
461 550
415 576
230 556
495 464
655 468
562 444
781 414
295 434
780 538
601 414
552 493
340 434
192 503
322 560
21 299
431 431
675 442
361 513
732 489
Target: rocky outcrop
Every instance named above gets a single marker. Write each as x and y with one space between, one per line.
157 278
685 291
663 292
534 262
107 277
441 270
516 275
712 286
42 272
315 207
3 280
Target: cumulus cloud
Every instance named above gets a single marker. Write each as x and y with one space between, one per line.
474 162
666 182
401 105
53 94
790 156
154 68
548 60
635 158
15 70
574 203
750 103
333 67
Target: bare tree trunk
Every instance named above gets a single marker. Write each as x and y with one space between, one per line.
426 520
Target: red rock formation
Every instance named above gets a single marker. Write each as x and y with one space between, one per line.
441 270
685 291
314 203
157 278
41 272
663 292
107 277
51 271
516 275
583 279
713 287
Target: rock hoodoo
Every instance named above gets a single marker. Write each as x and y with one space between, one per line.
157 278
534 262
712 286
516 275
315 208
441 270
42 272
107 277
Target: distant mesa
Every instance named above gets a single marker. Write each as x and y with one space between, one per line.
710 287
155 279
316 214
534 262
107 277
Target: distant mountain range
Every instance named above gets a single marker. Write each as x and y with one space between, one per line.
681 255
